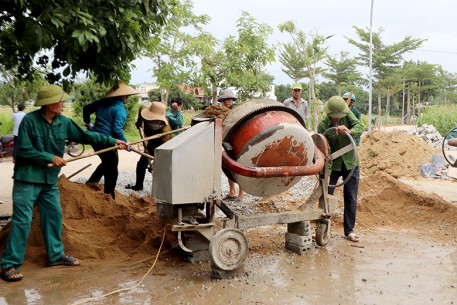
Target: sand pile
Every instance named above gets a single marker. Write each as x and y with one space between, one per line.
95 226
384 201
398 154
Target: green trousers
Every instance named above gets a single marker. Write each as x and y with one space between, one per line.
47 197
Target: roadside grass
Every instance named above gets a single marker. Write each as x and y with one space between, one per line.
443 117
6 118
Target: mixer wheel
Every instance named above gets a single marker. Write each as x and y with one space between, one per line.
323 230
228 249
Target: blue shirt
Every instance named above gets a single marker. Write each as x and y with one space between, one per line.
110 117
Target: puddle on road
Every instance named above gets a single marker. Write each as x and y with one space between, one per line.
396 268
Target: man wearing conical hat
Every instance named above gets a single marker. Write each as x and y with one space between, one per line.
110 119
41 141
153 121
345 122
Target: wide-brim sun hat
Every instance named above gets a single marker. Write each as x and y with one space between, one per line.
156 111
121 89
225 95
50 94
336 108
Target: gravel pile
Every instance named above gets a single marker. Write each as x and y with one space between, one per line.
429 134
249 205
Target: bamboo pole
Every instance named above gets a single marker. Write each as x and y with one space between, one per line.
129 144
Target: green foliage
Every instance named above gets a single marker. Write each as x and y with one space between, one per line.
100 36
188 115
443 117
312 48
283 92
174 54
7 124
342 70
385 57
154 95
91 91
246 57
14 91
293 61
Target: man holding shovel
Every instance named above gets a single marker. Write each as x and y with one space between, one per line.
42 141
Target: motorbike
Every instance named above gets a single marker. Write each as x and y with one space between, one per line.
74 149
6 145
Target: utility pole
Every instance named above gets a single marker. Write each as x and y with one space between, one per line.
370 87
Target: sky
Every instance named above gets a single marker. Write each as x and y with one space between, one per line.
434 21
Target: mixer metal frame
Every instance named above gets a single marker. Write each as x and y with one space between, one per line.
228 247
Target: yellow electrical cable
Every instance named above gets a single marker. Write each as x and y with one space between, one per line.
128 288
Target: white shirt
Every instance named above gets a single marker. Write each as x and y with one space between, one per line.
17 119
302 109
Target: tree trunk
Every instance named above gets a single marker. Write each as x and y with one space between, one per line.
408 107
403 104
213 93
388 103
379 109
315 106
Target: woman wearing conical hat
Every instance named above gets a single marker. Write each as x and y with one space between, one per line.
110 118
153 121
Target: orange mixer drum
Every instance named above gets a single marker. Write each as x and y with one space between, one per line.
264 133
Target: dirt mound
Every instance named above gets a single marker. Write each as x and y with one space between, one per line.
384 201
396 153
96 226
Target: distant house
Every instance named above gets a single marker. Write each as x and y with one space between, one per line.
270 94
143 90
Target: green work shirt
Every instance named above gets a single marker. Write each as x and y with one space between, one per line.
356 112
38 142
337 142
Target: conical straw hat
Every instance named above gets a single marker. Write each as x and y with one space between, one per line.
121 89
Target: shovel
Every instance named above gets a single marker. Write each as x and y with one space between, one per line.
129 144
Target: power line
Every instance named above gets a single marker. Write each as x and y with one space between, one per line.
436 51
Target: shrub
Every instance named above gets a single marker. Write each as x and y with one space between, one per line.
443 117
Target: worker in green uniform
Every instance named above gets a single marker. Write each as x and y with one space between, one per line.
41 142
345 122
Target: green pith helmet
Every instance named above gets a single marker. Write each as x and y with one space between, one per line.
50 94
346 95
336 108
297 86
226 94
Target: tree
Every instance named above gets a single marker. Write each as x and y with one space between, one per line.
14 91
312 52
342 71
385 57
180 41
246 57
293 62
448 86
98 36
212 70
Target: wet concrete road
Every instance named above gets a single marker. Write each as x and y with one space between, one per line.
386 267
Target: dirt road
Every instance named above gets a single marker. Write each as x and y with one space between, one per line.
407 253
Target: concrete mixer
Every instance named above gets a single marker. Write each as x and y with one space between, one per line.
264 147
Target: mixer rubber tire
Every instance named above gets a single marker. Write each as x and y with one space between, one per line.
323 232
228 249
